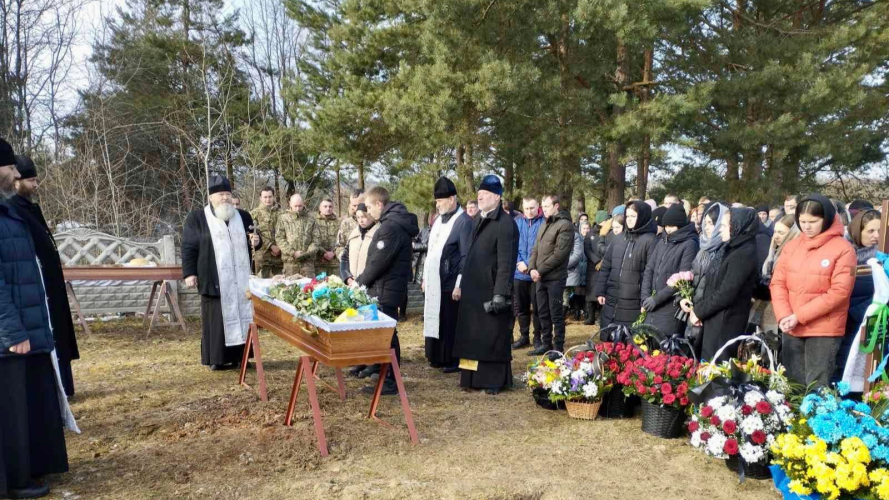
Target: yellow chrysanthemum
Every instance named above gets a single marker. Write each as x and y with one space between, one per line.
854 450
799 488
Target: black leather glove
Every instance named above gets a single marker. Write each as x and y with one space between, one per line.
649 304
497 305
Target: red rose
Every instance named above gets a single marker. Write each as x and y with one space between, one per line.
308 289
746 410
666 388
731 447
669 399
764 407
693 426
715 420
758 437
729 427
705 436
706 411
658 379
683 401
682 389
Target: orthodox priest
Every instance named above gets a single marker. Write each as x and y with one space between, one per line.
448 246
484 325
217 243
53 279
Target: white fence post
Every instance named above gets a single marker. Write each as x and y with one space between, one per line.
168 247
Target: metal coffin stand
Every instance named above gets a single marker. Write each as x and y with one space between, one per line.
336 350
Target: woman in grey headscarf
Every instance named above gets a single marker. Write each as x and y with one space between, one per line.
710 244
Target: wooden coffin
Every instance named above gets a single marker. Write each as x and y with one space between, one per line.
337 349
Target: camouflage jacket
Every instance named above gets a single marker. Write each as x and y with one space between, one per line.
347 225
266 220
293 236
323 239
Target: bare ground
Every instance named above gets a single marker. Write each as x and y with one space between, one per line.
158 425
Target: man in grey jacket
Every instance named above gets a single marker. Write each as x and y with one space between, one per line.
549 269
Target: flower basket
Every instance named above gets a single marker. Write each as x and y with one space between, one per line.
665 422
583 410
541 397
758 470
616 405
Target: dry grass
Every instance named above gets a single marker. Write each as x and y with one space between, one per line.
157 425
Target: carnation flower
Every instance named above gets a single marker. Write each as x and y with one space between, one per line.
669 399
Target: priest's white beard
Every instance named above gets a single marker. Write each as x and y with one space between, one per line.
224 211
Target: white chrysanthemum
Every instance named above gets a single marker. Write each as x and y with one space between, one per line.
590 390
716 403
586 367
726 412
750 424
715 444
753 397
558 387
696 439
752 453
775 397
770 440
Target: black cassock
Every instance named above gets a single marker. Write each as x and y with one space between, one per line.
54 281
199 259
488 270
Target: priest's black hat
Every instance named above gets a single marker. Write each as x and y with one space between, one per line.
25 167
444 188
219 184
7 155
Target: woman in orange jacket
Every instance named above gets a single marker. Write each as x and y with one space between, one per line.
810 288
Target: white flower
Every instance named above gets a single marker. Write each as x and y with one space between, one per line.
750 424
775 397
716 403
590 391
726 412
753 397
715 445
696 439
752 453
558 387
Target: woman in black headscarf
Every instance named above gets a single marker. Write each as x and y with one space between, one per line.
619 285
731 279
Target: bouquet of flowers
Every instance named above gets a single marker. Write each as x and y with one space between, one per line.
878 399
742 427
585 377
835 449
660 379
540 377
683 284
749 371
328 298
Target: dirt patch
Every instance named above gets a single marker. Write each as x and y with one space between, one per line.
158 425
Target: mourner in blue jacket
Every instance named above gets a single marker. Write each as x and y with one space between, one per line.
526 290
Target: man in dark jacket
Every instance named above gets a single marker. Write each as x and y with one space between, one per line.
217 247
525 289
549 269
388 269
32 439
45 245
484 327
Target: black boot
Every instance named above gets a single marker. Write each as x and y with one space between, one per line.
590 314
33 490
523 341
577 314
355 370
541 350
537 341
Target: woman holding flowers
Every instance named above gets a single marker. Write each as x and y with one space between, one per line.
673 254
710 244
810 292
731 279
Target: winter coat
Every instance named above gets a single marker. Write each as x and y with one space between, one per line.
388 268
593 252
623 266
353 260
725 307
553 248
674 253
488 270
576 261
23 307
814 279
763 242
53 277
528 229
198 256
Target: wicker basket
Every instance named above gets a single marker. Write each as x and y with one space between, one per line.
758 470
583 410
541 397
662 421
616 405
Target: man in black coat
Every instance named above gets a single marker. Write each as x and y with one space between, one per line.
225 315
484 326
388 269
54 280
549 269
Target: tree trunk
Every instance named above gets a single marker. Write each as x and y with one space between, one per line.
732 177
464 170
645 160
617 170
361 175
339 193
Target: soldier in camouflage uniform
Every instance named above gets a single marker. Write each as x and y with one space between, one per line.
323 243
293 227
349 223
267 259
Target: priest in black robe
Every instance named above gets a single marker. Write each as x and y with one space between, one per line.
446 251
484 326
53 277
216 257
